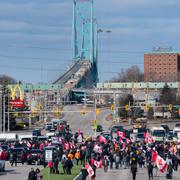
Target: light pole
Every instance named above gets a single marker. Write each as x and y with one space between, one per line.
99 31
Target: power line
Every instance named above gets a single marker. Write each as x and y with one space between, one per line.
59 60
67 49
45 69
31 68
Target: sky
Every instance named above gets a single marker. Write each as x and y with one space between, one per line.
35 36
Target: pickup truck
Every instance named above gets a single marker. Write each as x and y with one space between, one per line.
159 114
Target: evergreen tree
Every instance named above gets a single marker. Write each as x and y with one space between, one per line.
167 96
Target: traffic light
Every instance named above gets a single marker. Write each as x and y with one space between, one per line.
112 107
147 107
98 111
83 114
179 111
170 107
127 107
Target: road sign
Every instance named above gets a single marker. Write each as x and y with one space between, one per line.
48 155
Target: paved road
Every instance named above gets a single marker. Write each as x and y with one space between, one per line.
85 123
20 172
124 174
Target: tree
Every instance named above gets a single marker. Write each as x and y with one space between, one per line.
125 100
132 74
5 80
167 96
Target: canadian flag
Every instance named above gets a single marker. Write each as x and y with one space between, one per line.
161 164
120 134
29 145
154 156
128 141
89 170
66 146
102 139
148 138
97 148
98 164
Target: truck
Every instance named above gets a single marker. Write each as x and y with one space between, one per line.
176 134
157 133
159 114
8 137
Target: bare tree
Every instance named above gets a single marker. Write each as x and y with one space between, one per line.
132 74
5 80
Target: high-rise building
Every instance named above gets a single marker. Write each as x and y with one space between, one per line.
162 66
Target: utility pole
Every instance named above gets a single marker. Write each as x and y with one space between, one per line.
8 114
4 114
95 115
1 105
114 105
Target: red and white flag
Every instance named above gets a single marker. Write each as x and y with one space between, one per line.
154 156
98 164
128 140
102 139
148 138
89 169
120 134
29 145
161 164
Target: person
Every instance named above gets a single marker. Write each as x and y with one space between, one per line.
63 162
69 165
150 170
133 170
56 163
14 159
84 173
39 176
77 157
169 171
111 158
105 163
32 175
94 169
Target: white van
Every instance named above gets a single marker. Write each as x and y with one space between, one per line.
176 134
158 133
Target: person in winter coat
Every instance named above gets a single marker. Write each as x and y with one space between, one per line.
134 170
150 170
105 163
32 175
39 176
69 165
84 173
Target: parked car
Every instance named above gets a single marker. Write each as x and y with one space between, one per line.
36 132
35 156
117 128
19 152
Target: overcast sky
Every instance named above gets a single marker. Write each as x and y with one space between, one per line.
35 35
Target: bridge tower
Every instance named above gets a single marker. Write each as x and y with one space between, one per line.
85 35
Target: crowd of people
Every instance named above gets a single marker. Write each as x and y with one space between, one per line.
107 153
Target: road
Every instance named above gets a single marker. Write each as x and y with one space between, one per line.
125 174
76 120
20 172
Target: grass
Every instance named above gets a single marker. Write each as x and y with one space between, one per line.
75 171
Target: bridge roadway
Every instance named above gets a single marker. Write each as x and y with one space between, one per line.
68 75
